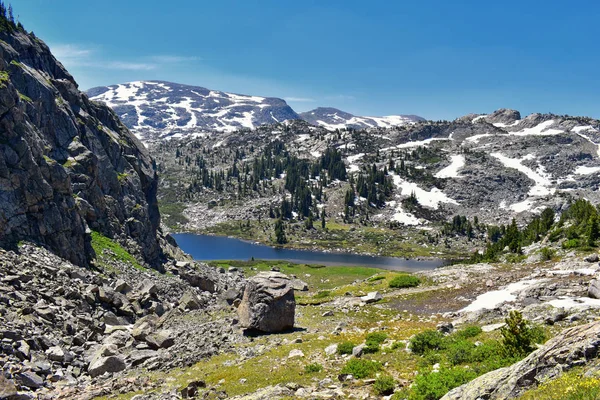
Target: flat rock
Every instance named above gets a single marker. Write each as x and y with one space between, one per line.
372 297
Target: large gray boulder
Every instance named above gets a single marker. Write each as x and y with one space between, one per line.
594 289
101 365
268 304
573 347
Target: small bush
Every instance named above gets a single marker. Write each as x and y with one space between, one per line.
468 332
570 244
425 341
371 347
360 368
376 278
434 385
376 337
547 254
322 294
404 281
312 368
345 348
384 385
460 352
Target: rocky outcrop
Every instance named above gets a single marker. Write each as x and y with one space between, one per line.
574 347
503 116
268 304
68 165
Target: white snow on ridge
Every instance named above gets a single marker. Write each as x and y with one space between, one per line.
542 187
479 117
583 128
431 199
457 161
542 129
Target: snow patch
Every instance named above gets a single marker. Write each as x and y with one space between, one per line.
426 198
492 299
457 161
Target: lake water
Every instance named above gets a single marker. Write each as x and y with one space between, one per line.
206 248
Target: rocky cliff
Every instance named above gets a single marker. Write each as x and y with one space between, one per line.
67 164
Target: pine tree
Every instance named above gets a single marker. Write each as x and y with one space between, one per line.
280 237
592 230
323 219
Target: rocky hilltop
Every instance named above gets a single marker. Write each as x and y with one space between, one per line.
68 165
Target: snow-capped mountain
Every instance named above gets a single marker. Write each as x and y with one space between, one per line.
157 109
164 108
332 118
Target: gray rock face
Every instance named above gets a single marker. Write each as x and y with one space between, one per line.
574 347
268 304
67 164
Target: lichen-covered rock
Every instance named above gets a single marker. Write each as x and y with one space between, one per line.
268 304
573 347
68 165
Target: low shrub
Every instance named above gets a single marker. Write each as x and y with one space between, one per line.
434 385
376 278
547 254
460 352
345 348
322 294
425 341
384 385
312 368
360 368
404 281
468 332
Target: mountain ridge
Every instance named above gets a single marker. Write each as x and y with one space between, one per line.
160 109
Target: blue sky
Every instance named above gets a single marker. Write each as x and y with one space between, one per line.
437 59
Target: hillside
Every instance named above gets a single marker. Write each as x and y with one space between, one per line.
489 167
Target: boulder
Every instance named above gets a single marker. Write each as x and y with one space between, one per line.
30 380
161 340
299 285
358 351
268 304
189 301
331 349
56 353
7 388
372 297
573 347
592 258
594 289
102 365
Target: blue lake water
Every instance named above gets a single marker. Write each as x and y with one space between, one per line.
206 248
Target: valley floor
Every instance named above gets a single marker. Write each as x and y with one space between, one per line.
304 363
